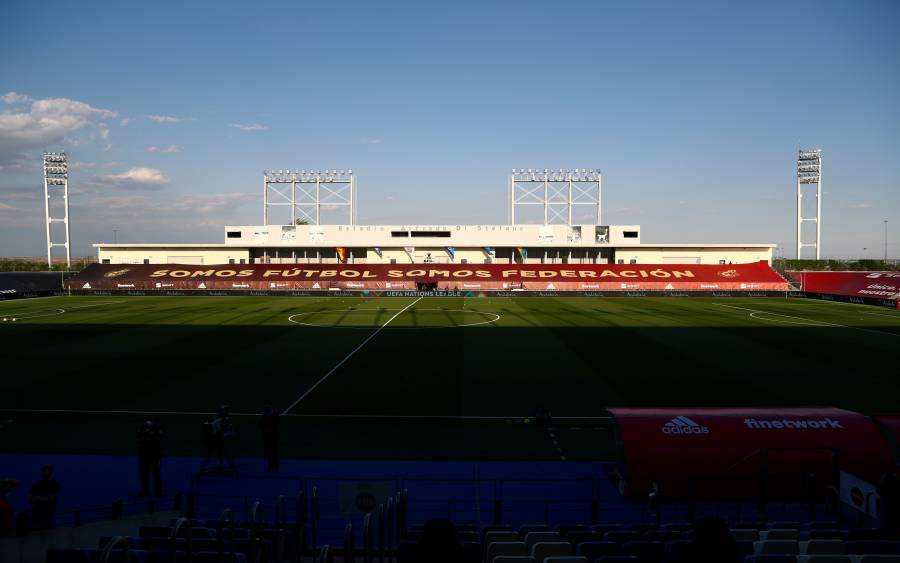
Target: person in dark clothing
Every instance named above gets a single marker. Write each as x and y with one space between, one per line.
268 424
710 542
7 516
149 446
42 496
438 544
215 432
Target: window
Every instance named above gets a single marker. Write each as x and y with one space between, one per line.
242 261
146 260
231 260
633 261
620 261
399 233
233 234
106 260
464 261
393 260
721 261
630 234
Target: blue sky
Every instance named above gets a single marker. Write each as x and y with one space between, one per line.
693 111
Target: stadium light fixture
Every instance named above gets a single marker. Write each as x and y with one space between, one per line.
809 171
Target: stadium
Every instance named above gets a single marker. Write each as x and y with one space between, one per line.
557 387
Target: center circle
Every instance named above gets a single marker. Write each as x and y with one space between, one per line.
320 319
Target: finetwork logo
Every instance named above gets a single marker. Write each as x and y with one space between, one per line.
796 424
683 425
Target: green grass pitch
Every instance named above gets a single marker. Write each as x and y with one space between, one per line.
425 377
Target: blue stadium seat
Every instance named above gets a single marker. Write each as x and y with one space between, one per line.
674 550
622 536
664 536
823 525
833 534
785 525
67 555
528 528
576 537
872 547
603 528
648 551
677 526
641 527
564 529
855 534
472 551
594 549
771 558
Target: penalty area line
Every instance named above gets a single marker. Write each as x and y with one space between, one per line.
820 323
347 357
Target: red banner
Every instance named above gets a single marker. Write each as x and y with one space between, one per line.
746 452
872 285
576 277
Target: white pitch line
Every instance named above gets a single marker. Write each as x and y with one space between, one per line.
822 323
347 357
299 415
59 311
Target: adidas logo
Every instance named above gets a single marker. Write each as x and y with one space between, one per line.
683 425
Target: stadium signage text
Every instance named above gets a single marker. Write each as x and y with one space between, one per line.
795 424
424 273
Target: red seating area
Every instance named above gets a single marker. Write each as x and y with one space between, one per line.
758 276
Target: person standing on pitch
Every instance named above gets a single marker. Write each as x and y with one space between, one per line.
42 497
268 425
149 446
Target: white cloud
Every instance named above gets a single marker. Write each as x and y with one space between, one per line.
125 122
168 150
4 207
48 122
146 178
248 126
14 98
163 118
370 141
861 205
104 131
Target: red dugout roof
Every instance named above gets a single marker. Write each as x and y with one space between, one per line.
724 452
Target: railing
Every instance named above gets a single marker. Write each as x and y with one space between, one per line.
116 510
317 515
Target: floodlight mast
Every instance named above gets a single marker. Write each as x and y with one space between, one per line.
310 190
558 192
56 173
809 171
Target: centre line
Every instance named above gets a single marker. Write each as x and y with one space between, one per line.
347 357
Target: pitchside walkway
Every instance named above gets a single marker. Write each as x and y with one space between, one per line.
338 492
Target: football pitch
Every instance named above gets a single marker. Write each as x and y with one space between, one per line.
421 377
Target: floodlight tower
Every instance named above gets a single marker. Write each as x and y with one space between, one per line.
56 173
558 192
309 191
809 171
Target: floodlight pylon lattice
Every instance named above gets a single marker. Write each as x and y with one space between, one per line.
809 171
559 192
306 192
56 180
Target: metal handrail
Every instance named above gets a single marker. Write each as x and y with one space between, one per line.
173 539
348 543
111 545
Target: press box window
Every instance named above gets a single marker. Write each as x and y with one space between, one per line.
233 234
629 234
399 233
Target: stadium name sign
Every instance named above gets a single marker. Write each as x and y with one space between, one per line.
430 273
